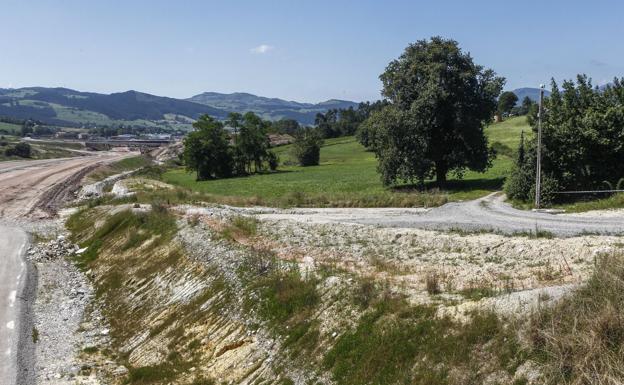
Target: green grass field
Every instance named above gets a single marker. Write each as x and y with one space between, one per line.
9 128
347 177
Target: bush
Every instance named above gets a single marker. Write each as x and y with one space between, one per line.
520 184
21 149
307 147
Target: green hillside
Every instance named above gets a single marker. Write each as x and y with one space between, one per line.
347 176
269 108
70 108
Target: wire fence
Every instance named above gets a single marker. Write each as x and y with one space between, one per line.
589 192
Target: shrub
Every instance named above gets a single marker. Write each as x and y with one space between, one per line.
21 149
432 282
520 183
307 147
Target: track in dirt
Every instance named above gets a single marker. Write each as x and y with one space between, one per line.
38 188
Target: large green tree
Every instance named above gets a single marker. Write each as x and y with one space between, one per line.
207 150
440 101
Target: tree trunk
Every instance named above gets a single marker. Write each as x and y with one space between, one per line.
441 171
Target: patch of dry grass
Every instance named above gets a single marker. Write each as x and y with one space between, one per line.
581 339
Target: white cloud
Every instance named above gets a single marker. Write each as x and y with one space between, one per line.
262 49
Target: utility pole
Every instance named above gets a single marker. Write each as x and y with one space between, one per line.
538 174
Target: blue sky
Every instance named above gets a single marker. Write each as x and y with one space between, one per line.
299 50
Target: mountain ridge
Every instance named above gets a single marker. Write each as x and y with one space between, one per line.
269 108
68 107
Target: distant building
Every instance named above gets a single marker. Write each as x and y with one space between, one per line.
65 135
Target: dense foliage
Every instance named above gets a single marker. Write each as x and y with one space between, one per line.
583 141
440 102
285 126
307 147
207 151
211 153
345 121
21 149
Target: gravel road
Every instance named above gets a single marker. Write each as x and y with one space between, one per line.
489 213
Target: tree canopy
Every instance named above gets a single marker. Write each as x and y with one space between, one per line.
212 153
582 141
206 150
506 102
439 102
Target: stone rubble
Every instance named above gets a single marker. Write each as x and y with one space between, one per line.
61 309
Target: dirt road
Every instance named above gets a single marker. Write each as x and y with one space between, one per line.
36 188
490 213
29 189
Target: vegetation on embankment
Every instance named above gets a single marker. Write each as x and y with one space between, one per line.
196 306
347 177
123 165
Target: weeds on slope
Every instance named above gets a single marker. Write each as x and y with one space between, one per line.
397 343
136 227
581 339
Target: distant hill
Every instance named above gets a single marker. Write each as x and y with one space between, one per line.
532 93
269 108
66 107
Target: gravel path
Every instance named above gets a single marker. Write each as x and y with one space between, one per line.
489 213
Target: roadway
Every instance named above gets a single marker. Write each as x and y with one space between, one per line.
490 213
29 190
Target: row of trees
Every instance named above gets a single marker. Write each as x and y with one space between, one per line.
582 141
213 152
345 121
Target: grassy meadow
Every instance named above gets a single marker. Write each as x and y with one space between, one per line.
9 128
347 177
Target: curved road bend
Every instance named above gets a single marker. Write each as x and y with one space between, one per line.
23 189
489 213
